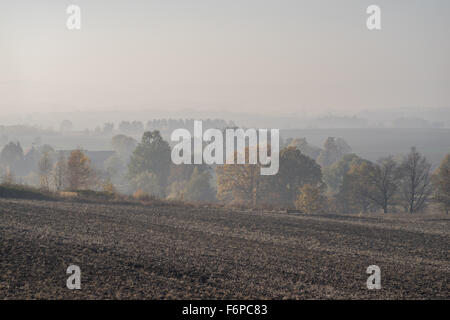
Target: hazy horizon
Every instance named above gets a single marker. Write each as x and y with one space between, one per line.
272 58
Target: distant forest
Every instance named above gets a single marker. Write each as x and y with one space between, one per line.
135 161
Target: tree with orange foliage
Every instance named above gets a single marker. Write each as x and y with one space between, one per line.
441 183
79 172
240 183
311 199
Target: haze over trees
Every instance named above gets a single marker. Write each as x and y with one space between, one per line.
302 144
79 171
310 179
191 183
415 185
59 173
333 150
150 163
12 156
123 145
244 184
387 184
198 188
296 170
441 183
45 169
241 184
383 181
311 199
66 125
354 194
333 175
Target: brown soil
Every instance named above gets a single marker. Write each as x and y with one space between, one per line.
138 252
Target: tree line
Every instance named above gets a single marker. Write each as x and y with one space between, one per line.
310 179
137 127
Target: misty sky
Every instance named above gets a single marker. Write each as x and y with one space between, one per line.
268 57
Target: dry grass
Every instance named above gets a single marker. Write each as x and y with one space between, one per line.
67 194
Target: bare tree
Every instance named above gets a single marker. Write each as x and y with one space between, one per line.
384 180
8 178
415 188
59 172
356 190
441 184
79 172
45 167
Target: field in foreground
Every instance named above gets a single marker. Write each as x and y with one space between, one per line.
140 252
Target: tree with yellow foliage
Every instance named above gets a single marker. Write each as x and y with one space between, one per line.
354 195
79 172
296 170
310 200
441 184
45 167
240 183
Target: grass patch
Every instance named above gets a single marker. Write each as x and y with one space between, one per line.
13 191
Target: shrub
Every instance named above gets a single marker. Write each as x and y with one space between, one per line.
148 183
109 188
141 195
94 195
23 192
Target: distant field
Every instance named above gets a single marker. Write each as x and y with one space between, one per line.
369 143
182 252
373 143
